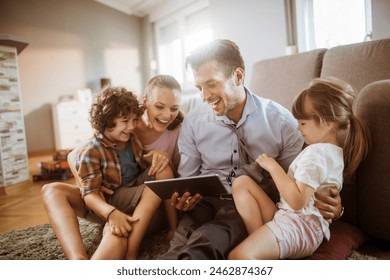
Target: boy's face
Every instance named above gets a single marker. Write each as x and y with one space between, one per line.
122 131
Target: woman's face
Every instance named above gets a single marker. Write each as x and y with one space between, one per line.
162 107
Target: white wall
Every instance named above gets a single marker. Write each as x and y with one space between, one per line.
72 45
258 27
380 19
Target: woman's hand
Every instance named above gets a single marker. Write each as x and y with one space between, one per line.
159 161
120 224
328 201
186 202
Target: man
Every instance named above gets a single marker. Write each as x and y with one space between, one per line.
210 227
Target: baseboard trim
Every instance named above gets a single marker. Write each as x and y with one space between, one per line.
41 153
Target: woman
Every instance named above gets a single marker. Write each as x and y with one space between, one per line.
159 129
63 202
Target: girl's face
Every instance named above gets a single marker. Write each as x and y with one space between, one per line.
162 107
314 132
311 131
122 131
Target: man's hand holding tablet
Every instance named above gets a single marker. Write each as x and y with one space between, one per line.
186 192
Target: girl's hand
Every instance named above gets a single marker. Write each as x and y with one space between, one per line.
159 161
120 224
266 162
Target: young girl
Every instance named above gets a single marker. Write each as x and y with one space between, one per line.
294 228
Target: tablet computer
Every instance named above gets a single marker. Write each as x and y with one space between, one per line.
206 185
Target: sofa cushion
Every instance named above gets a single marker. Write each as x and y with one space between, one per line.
190 100
282 78
358 64
344 238
373 176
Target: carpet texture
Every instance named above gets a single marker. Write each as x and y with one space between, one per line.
40 243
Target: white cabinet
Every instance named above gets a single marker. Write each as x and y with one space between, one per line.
71 124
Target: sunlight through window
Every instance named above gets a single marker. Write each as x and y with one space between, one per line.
330 23
176 39
338 22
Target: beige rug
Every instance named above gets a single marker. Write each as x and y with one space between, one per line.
40 243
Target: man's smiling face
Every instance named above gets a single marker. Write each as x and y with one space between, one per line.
217 90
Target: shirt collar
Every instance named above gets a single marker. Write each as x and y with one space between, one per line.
105 142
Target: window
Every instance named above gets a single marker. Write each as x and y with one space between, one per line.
179 34
329 23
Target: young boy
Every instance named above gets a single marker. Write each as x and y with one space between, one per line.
112 159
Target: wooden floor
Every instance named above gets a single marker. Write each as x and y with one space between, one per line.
22 206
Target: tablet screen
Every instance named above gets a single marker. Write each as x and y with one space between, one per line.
206 185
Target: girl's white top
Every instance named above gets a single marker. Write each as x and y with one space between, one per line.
318 165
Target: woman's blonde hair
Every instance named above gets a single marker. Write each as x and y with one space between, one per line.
332 102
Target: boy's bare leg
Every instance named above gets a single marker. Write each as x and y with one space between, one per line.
170 211
111 247
63 204
144 211
172 218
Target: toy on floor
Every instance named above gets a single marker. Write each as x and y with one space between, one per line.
57 169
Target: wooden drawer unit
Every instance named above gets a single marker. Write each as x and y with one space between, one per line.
71 124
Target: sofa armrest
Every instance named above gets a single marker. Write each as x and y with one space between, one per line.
373 176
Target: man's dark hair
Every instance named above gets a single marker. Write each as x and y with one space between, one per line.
225 52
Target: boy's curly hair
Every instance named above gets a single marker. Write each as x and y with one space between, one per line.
113 102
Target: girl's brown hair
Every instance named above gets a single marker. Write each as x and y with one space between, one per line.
113 102
332 101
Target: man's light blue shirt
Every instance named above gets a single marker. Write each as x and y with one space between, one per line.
208 146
